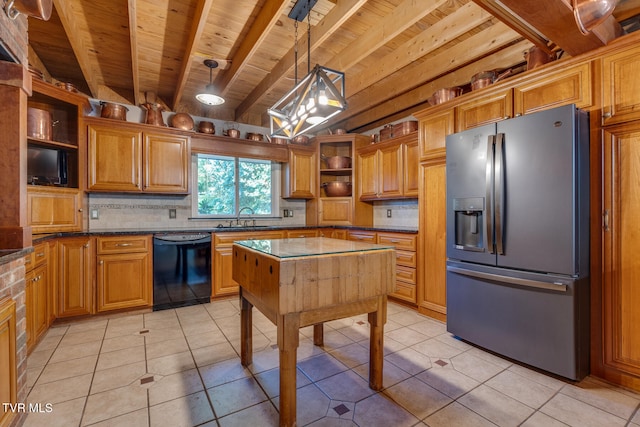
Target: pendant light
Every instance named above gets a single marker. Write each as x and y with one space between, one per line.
319 96
208 96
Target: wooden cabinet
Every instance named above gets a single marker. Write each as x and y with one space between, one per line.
55 160
37 293
433 129
302 233
482 110
406 259
223 283
54 209
8 363
129 158
384 169
75 276
620 298
300 173
621 86
347 210
124 272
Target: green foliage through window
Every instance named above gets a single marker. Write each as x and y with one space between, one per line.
228 184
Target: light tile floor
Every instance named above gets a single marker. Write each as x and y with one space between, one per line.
181 368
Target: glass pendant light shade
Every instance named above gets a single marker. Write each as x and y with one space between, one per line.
591 13
209 96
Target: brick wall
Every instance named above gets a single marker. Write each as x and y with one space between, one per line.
12 284
13 36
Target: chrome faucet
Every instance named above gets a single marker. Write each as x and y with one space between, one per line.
240 211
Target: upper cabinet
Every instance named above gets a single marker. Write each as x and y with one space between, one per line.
621 86
55 153
137 159
300 173
388 170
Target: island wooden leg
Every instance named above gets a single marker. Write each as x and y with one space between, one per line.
246 328
318 334
377 319
288 331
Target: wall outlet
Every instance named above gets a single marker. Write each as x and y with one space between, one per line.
290 213
286 213
172 214
95 214
388 213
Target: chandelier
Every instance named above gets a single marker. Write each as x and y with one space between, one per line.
319 96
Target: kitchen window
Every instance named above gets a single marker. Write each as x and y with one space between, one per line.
226 185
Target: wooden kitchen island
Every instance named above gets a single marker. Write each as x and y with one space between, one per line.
307 281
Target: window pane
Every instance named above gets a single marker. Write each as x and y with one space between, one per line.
216 186
254 187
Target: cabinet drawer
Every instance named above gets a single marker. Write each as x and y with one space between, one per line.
406 258
362 236
406 274
40 255
399 240
405 292
302 233
120 244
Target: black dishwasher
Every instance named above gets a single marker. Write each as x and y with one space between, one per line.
181 269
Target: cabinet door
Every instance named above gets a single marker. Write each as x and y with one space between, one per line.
484 110
570 86
434 129
621 264
621 86
37 308
432 291
166 163
335 210
124 281
299 180
54 209
223 283
115 159
390 172
367 175
410 176
8 375
75 296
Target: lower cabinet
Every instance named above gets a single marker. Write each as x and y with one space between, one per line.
37 293
75 266
302 233
8 374
124 272
223 283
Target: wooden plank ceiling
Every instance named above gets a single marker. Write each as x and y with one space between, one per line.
395 53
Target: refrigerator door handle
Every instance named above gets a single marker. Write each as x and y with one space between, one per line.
499 193
488 221
559 287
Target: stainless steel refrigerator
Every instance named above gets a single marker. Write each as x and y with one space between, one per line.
518 239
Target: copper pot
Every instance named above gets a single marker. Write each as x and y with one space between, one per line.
337 188
233 133
486 78
536 57
444 94
154 114
39 123
301 139
181 121
255 136
40 9
337 162
206 127
70 87
111 110
278 140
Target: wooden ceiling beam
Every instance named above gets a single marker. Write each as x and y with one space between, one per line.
268 17
485 43
133 42
331 22
455 25
195 34
416 99
74 30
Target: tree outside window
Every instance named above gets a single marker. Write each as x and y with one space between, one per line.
228 184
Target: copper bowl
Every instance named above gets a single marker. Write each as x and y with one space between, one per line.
206 127
337 188
181 121
111 110
279 140
445 94
300 139
255 136
233 133
337 162
70 87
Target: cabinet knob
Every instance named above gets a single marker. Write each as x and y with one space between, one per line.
101 262
80 210
124 244
86 245
607 115
518 114
507 117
